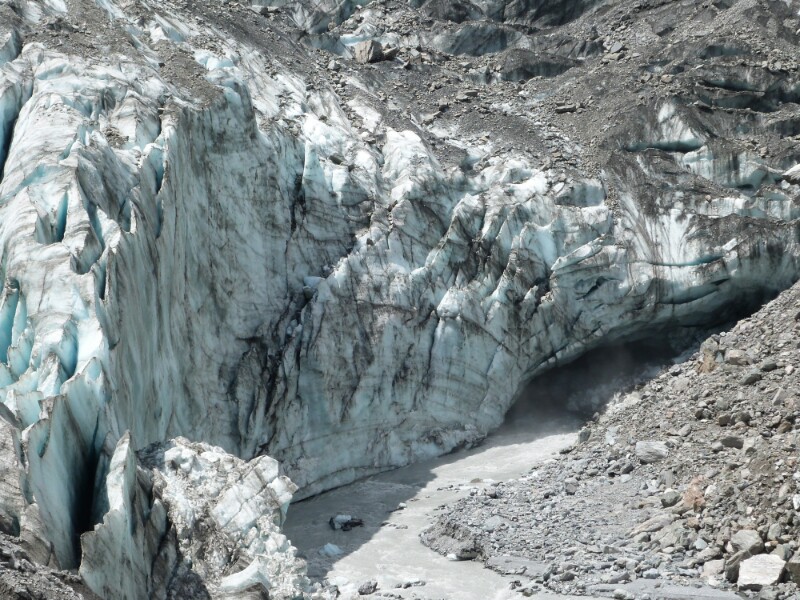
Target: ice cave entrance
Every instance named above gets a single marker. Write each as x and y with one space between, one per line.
562 399
567 396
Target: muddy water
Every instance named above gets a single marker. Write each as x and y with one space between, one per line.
387 547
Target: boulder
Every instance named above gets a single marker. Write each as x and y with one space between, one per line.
760 571
732 441
748 541
670 498
751 377
732 564
654 524
737 357
369 51
571 486
694 497
344 522
713 570
793 568
651 451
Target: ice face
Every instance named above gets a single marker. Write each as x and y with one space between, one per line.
184 511
214 248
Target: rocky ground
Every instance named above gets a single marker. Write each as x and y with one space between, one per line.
691 476
21 578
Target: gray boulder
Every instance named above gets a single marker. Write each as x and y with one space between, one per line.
748 541
651 451
760 571
369 51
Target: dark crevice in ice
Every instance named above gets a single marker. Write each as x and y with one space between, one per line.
588 383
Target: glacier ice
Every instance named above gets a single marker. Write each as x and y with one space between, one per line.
215 247
190 520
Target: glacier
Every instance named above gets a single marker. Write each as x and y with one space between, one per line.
218 258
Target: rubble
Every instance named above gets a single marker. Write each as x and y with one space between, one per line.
728 517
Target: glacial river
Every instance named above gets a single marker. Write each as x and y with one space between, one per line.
387 548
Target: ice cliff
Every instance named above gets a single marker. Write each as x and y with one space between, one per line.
216 225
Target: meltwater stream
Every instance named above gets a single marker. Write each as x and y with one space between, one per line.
387 548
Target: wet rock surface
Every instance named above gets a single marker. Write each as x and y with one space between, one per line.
722 516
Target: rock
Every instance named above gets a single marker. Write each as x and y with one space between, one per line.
732 441
736 357
566 108
710 553
368 51
747 541
768 593
671 536
654 524
670 498
456 543
768 366
336 158
493 523
793 568
774 531
732 564
782 551
368 587
700 544
344 522
429 118
651 451
759 571
651 574
752 377
713 569
571 485
514 565
694 497
260 10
